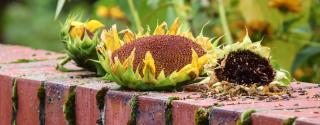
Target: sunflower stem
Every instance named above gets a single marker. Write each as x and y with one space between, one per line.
224 22
61 64
135 15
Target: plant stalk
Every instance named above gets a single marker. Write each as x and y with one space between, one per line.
224 22
135 15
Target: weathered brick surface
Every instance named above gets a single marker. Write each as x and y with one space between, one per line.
87 110
278 117
5 100
28 103
20 52
308 121
56 95
152 110
118 110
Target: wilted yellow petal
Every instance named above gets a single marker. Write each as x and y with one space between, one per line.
128 36
129 60
174 28
93 25
204 42
76 31
149 64
111 39
160 29
195 58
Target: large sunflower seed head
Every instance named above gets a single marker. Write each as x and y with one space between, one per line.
171 53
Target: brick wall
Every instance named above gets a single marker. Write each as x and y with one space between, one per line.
32 92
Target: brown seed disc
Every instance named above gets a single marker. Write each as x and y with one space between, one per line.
170 52
245 67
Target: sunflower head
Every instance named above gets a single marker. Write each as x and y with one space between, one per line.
165 59
246 64
80 41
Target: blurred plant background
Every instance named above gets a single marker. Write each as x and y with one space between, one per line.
290 27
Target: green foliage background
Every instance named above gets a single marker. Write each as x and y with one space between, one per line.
294 37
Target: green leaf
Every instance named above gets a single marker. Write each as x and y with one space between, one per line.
59 8
304 55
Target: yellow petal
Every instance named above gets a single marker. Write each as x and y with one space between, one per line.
149 69
160 29
129 60
128 35
93 25
111 38
149 63
195 59
76 31
204 42
174 28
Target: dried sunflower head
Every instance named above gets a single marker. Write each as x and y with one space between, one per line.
165 59
246 64
80 41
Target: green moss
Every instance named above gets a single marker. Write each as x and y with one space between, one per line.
168 110
25 60
69 107
245 118
14 97
289 121
100 98
202 117
42 98
134 110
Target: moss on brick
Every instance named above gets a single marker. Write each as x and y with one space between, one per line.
168 109
245 118
42 98
25 60
14 97
134 110
100 98
202 116
69 106
289 121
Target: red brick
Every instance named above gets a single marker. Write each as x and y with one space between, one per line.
308 121
56 95
20 52
28 102
233 112
5 100
278 117
118 110
183 111
152 110
87 110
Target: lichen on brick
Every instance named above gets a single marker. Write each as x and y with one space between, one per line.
100 98
42 98
202 116
168 109
245 118
134 110
69 107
